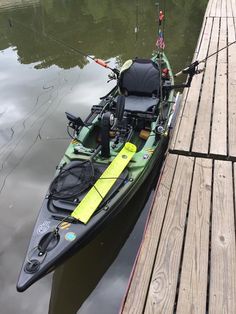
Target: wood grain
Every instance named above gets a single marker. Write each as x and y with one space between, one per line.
213 8
232 89
202 128
208 9
184 136
233 5
223 258
161 295
186 90
218 8
229 8
193 281
218 142
139 286
224 8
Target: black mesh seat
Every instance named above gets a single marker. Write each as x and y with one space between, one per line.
140 84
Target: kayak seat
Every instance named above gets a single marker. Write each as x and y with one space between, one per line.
139 82
140 104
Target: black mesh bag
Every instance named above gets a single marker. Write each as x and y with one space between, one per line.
73 180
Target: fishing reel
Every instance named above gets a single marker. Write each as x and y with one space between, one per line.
111 76
191 69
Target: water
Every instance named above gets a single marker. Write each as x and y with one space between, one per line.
41 78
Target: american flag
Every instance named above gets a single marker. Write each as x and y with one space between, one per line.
160 41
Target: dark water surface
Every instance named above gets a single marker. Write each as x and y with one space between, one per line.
41 77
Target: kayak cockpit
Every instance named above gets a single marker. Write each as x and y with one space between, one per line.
131 113
136 106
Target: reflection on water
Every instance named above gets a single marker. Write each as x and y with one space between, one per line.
19 4
41 77
76 279
102 28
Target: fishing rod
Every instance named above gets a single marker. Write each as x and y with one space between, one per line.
97 60
192 69
160 44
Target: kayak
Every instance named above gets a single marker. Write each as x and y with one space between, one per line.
110 155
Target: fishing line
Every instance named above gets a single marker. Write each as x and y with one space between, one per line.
98 61
196 63
52 39
164 19
136 29
211 55
159 55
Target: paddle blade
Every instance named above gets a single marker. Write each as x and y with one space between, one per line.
96 194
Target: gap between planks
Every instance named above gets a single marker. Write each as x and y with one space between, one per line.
190 190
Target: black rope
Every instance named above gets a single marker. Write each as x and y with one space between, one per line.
63 220
114 178
108 178
98 192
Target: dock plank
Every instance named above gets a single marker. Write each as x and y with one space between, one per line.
222 268
224 8
203 121
161 295
138 289
218 8
208 9
218 142
182 139
200 38
213 8
233 4
193 284
232 89
185 92
229 11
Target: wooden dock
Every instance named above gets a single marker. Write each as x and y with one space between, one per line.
187 260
